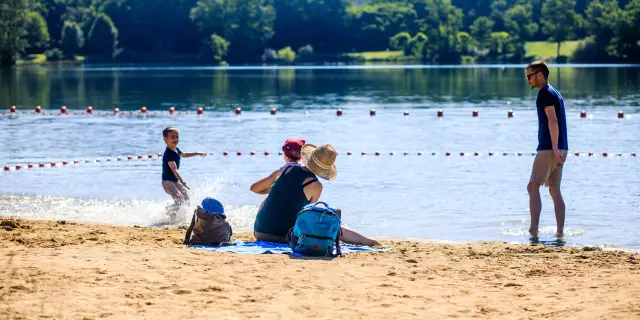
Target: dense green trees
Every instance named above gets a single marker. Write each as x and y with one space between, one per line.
560 21
14 19
251 31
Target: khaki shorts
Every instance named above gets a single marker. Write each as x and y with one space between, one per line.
177 191
546 169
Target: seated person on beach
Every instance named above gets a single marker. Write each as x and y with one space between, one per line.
293 188
291 149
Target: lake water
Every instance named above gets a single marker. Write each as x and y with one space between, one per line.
423 194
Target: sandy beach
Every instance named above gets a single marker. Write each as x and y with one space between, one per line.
65 270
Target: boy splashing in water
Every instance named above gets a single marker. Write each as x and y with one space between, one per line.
172 182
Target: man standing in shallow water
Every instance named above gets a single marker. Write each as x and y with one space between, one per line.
552 147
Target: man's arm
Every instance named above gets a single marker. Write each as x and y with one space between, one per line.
172 165
192 154
554 132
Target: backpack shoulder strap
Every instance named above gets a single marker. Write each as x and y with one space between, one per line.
187 237
338 251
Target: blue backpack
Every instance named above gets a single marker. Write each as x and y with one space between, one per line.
316 231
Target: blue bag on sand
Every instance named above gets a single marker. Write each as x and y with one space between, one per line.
316 231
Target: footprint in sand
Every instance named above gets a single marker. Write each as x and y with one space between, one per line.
182 292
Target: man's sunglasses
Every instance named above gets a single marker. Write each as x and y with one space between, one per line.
530 75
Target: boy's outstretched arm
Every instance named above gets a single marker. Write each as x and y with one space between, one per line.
192 154
172 165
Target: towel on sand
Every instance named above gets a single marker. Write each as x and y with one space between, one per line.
265 247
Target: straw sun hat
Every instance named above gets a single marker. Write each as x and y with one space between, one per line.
319 160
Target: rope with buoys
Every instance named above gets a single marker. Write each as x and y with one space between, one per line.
128 158
143 111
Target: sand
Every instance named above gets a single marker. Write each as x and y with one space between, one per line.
64 270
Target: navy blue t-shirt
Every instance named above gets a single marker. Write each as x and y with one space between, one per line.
549 96
168 156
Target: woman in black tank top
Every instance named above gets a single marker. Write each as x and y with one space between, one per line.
291 188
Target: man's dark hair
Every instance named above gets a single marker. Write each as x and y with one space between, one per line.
165 132
539 66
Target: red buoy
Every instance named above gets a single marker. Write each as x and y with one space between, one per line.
440 113
406 113
266 153
349 153
159 154
447 154
64 163
53 164
377 153
41 165
200 111
29 165
476 154
225 153
490 154
143 110
510 114
273 111
186 112
364 153
139 156
577 154
339 112
583 114
238 111
63 110
604 154
38 109
150 156
128 157
239 153
620 114
590 154
253 153
462 154
18 167
13 109
6 168
474 113
89 110
372 112
75 161
116 111
172 110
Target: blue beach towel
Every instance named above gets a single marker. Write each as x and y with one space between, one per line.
265 247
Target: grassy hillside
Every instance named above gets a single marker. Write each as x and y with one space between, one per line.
545 50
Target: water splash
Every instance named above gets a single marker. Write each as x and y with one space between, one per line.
131 212
544 231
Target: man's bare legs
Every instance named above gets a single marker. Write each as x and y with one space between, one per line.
535 207
558 206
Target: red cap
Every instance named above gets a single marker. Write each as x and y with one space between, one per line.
291 146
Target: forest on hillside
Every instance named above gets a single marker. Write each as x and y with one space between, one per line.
298 31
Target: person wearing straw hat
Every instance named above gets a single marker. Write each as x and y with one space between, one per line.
290 189
291 149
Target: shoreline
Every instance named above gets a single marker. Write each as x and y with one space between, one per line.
248 236
73 270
